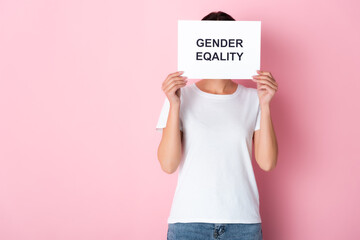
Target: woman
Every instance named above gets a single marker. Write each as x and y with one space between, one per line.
207 131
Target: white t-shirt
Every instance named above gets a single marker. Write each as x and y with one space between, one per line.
216 181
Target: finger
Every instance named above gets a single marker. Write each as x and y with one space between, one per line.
170 85
265 77
266 80
177 78
175 74
174 88
165 84
269 89
264 73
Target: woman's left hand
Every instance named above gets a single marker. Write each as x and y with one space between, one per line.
266 86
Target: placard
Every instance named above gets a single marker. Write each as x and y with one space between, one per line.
219 49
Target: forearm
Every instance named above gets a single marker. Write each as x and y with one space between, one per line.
170 150
267 150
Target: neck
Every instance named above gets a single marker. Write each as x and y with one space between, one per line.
217 86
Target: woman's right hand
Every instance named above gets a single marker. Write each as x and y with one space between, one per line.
171 86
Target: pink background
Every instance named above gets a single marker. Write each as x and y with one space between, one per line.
80 95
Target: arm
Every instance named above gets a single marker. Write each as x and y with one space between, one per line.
266 147
170 147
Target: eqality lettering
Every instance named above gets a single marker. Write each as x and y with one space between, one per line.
219 43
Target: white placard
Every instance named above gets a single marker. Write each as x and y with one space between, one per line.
219 49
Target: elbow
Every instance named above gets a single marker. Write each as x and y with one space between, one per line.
269 167
167 168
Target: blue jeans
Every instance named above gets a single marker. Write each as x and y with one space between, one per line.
211 231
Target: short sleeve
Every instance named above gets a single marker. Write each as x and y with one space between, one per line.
164 116
258 117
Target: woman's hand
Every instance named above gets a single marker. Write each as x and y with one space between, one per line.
266 86
171 86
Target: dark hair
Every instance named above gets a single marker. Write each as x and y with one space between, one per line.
219 15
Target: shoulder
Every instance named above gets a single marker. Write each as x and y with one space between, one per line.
249 90
251 94
254 93
186 90
187 87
